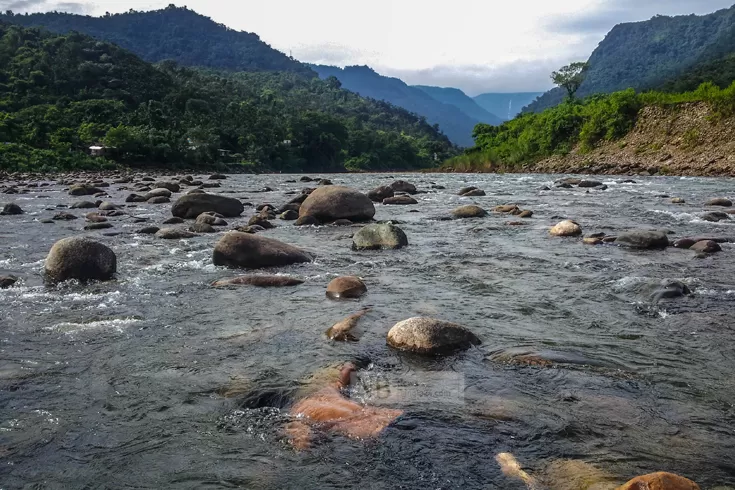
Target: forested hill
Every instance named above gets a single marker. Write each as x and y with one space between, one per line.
172 33
460 100
457 125
59 94
648 54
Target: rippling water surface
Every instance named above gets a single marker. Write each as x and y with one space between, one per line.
140 382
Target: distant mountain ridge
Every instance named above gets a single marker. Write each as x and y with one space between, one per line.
506 105
460 100
363 80
173 33
643 55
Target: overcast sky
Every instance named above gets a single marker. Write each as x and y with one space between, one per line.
476 45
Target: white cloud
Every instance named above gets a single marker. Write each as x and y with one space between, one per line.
476 45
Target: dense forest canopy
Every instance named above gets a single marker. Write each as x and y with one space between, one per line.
172 33
59 94
648 55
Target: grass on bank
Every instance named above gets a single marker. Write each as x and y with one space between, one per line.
606 117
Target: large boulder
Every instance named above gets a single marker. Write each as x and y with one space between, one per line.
174 234
566 228
83 190
660 481
346 287
79 258
706 246
644 239
379 236
469 211
190 206
236 249
430 336
333 202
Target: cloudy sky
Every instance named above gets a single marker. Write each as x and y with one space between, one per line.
476 45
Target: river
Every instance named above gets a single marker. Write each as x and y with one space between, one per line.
147 381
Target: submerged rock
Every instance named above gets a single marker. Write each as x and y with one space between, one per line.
79 258
379 236
333 202
236 249
307 221
473 193
715 216
261 281
425 335
346 287
7 281
566 228
643 239
670 289
83 190
190 206
400 200
174 234
342 330
660 481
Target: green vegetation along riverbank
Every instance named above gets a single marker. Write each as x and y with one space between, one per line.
688 133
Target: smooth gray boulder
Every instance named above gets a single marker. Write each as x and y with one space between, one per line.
79 258
643 239
379 236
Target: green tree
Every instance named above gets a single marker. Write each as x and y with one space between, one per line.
570 77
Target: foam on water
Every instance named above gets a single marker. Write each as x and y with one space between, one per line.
115 324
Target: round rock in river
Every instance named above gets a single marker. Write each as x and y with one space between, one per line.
379 236
566 228
79 258
190 206
425 335
644 239
346 287
236 249
469 211
333 202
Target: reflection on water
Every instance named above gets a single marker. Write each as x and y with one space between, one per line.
157 380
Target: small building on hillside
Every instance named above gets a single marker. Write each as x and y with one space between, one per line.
97 150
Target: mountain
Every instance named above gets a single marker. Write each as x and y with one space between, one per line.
457 125
647 54
172 33
59 94
460 100
506 106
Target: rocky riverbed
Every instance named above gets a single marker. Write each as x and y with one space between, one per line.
582 325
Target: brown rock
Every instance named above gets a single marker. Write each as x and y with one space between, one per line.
660 481
236 249
346 287
261 281
333 202
79 258
342 330
507 208
706 246
469 211
400 200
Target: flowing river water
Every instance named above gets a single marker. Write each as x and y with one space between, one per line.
157 380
